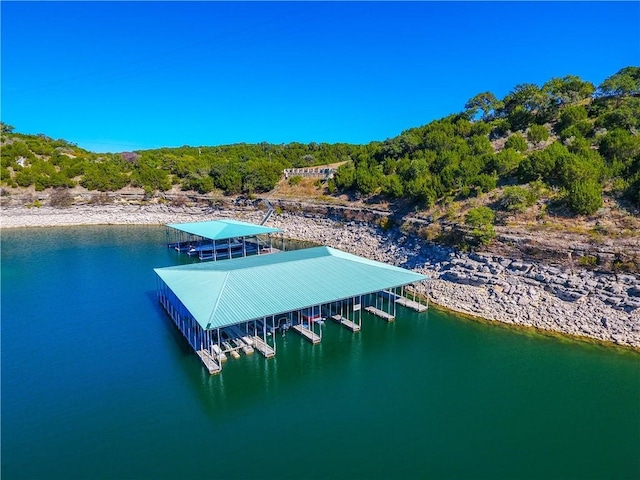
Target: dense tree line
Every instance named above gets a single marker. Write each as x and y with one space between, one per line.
567 134
39 161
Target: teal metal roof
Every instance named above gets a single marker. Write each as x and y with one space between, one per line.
224 293
223 229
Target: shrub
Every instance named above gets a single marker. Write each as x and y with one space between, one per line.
485 183
293 181
481 220
571 115
588 261
501 127
385 223
505 162
517 142
537 133
393 186
431 232
580 129
479 216
101 199
517 199
60 198
585 197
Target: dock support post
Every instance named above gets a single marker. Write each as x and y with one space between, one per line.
273 332
428 292
394 302
264 330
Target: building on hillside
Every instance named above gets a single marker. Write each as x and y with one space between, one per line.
310 172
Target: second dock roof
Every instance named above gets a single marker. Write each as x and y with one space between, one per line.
223 229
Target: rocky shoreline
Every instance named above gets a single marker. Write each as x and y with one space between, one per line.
577 302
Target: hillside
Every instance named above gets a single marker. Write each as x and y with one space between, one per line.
544 172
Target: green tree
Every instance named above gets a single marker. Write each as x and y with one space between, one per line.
104 176
517 199
345 177
578 130
481 219
626 115
366 180
517 142
625 82
479 145
485 104
537 134
571 168
25 177
571 115
153 179
226 176
619 145
505 162
393 186
484 183
566 90
540 165
4 128
585 197
261 176
522 104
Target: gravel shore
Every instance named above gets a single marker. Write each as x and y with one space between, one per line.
579 303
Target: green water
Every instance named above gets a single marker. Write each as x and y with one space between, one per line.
98 383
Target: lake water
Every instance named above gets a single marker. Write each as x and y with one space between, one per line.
98 383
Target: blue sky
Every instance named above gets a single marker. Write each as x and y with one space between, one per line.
118 76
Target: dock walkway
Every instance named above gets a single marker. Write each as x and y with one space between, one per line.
308 334
354 327
263 348
406 302
212 365
380 313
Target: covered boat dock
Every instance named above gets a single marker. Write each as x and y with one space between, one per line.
220 239
223 307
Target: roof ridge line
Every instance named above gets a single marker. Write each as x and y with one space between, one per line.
215 307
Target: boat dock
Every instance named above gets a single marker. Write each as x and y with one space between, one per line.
380 313
236 306
308 334
401 299
406 302
212 365
265 349
354 327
